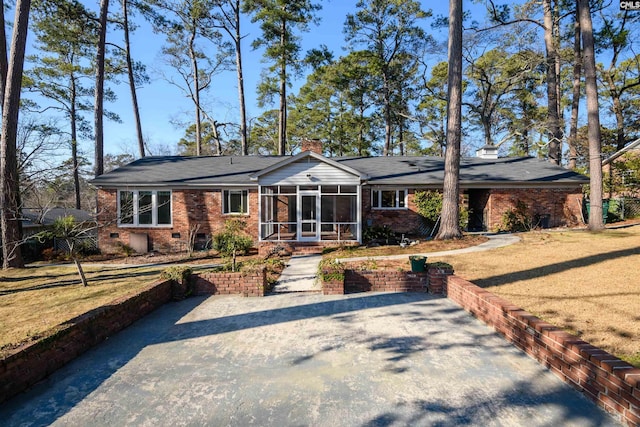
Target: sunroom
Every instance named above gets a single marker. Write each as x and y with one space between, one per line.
309 198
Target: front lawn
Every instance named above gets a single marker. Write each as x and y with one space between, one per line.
586 283
35 299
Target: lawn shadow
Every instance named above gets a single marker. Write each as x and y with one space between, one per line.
69 282
532 273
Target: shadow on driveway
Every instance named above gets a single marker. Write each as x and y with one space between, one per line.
300 359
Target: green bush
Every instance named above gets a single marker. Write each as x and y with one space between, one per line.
378 232
429 204
178 273
516 219
233 241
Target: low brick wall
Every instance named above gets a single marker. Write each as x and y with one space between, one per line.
384 281
27 365
612 383
248 284
431 281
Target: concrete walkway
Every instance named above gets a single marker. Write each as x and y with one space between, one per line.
495 241
301 359
299 275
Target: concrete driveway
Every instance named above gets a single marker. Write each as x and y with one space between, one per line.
305 360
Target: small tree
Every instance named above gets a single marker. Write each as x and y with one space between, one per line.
233 240
73 234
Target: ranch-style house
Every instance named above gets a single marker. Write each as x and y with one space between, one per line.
155 203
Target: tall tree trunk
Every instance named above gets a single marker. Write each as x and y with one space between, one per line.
9 183
575 101
132 81
388 150
3 54
553 117
617 108
282 111
593 113
244 145
401 138
74 140
557 43
196 89
99 89
449 224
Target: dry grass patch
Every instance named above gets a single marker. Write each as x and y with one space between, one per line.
586 283
422 247
33 300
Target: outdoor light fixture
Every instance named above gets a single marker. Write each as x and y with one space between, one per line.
309 177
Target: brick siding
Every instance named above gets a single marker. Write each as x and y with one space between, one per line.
610 382
189 207
563 205
399 220
204 207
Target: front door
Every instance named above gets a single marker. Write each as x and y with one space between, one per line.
308 217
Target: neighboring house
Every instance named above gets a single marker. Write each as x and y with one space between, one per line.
309 199
35 220
621 171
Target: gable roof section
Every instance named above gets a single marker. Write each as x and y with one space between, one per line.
304 155
213 171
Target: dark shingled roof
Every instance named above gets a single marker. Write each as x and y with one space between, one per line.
177 171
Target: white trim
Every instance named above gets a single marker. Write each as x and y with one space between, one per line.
303 155
235 190
397 199
136 208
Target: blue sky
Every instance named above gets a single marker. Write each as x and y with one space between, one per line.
161 103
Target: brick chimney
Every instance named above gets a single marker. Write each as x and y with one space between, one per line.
313 145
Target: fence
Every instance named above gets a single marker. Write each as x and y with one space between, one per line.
625 208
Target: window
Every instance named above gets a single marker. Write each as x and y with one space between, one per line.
147 208
388 199
235 202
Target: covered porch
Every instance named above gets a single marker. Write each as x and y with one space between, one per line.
310 213
309 198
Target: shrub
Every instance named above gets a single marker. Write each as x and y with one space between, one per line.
330 269
178 273
233 240
516 219
126 249
378 232
429 205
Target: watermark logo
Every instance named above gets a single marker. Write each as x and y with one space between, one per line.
629 5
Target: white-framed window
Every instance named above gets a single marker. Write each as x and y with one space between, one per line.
144 208
235 202
389 199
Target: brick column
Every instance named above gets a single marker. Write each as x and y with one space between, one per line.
438 277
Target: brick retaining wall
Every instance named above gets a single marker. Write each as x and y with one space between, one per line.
612 383
25 366
249 284
384 281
